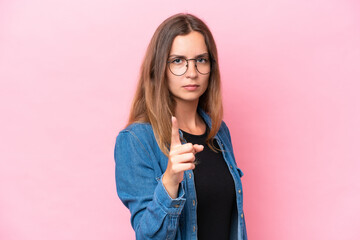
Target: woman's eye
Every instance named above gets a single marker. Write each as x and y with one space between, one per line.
177 61
202 60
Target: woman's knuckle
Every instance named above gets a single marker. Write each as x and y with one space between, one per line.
188 146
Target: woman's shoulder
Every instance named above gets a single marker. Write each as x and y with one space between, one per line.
224 132
223 125
137 137
139 132
223 128
137 127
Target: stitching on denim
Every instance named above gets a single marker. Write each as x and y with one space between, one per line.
136 137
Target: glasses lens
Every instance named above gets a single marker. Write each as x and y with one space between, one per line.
203 65
178 66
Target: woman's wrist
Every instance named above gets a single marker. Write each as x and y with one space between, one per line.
171 188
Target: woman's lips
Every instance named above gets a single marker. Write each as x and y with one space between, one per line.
191 87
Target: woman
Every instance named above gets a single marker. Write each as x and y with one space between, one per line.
175 167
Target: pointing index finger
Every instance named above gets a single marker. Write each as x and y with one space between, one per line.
175 137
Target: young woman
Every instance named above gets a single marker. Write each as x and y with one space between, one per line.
175 166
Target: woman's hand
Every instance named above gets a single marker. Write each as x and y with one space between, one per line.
181 158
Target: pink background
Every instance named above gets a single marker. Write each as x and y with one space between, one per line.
290 71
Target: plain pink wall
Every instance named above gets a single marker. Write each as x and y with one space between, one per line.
290 71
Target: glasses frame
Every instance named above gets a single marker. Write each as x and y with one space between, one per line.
187 66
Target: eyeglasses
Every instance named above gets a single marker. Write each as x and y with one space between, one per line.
179 65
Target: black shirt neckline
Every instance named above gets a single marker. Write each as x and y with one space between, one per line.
203 135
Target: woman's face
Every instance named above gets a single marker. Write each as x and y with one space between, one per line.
192 84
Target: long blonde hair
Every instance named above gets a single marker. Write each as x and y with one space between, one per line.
153 102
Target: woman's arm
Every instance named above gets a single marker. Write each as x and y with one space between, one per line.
181 158
154 214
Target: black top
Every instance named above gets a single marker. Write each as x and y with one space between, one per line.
215 191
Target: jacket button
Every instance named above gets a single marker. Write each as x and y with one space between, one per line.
239 191
190 175
193 202
242 215
177 205
194 228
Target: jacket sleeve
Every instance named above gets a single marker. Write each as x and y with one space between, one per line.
154 214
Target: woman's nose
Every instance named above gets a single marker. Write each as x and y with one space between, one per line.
191 71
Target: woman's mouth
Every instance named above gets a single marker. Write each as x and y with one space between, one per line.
191 87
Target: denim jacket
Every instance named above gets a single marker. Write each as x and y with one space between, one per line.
140 165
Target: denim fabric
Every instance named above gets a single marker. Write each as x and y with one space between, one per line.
140 165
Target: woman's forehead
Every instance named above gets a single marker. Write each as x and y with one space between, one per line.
191 44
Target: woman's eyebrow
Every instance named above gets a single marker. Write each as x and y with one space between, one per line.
181 56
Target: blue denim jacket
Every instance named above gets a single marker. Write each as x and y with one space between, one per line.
140 165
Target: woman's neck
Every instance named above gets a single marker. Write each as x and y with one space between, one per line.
188 118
